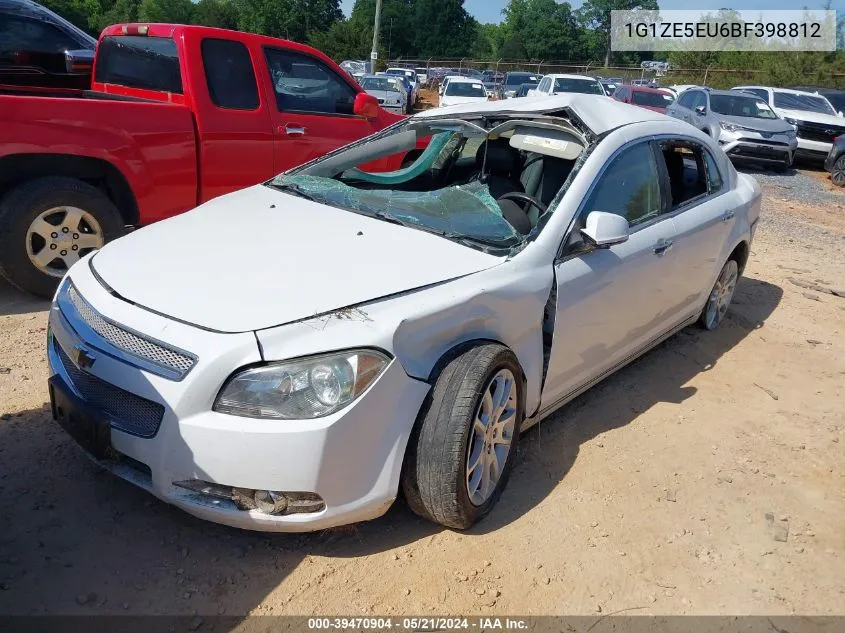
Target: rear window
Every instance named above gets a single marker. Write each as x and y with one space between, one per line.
134 61
652 99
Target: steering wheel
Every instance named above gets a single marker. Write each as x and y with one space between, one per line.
524 197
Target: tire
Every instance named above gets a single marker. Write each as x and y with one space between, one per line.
837 174
720 296
435 477
22 206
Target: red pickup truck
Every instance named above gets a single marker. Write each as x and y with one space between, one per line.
177 115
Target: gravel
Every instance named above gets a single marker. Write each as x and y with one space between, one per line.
796 186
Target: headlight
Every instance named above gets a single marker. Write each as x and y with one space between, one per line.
792 122
301 389
730 127
790 133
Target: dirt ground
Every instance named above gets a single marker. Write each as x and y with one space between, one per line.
706 478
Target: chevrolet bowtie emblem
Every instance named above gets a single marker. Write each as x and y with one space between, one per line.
82 358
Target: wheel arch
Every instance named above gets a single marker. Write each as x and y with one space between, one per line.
740 255
17 169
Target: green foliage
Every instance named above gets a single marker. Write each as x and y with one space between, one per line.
175 11
219 13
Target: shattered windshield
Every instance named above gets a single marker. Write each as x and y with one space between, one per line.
448 177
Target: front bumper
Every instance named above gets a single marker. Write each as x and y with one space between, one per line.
752 146
351 459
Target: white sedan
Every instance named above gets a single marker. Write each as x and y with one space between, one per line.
558 84
461 90
296 353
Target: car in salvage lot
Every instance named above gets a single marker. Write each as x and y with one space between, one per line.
744 124
558 84
389 91
177 115
463 90
299 351
815 120
835 162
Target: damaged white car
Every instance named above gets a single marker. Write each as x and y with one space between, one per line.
298 352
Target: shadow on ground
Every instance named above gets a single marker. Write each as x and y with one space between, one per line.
74 539
14 301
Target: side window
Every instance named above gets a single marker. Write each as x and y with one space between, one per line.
22 34
304 84
229 74
698 99
630 187
685 166
714 177
544 85
686 99
764 95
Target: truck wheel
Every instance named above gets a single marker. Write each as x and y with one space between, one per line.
462 449
837 174
46 225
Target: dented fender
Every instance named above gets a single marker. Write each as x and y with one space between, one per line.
504 304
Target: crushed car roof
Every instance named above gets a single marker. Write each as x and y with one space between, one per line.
601 114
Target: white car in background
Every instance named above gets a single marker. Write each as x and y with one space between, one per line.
412 78
558 84
816 121
422 73
463 90
677 89
298 351
389 91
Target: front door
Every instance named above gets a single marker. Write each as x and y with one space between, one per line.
314 108
611 302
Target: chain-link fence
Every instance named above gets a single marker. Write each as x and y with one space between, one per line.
715 77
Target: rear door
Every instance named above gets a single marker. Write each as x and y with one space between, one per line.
611 302
233 121
313 109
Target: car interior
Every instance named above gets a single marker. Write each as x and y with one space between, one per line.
523 164
686 171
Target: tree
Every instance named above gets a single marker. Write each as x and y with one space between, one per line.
169 11
82 13
595 14
290 19
442 28
219 13
119 12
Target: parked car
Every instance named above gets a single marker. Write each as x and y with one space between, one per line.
816 121
412 79
609 87
524 89
406 86
445 82
463 90
744 125
178 115
389 91
835 162
649 98
677 89
310 407
513 80
557 84
356 69
422 74
836 97
40 48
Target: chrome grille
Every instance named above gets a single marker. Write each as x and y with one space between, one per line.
126 411
129 342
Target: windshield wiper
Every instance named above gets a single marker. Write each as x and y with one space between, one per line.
294 189
467 240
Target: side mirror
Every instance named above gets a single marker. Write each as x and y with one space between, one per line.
603 230
79 62
700 110
366 105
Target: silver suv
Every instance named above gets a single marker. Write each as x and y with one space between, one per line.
745 126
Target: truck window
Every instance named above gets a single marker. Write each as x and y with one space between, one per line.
229 74
22 35
136 61
305 84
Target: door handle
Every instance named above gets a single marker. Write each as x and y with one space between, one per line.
728 216
663 247
292 130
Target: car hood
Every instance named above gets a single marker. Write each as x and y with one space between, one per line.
386 96
259 258
450 101
813 117
761 125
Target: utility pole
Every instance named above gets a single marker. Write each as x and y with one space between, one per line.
374 53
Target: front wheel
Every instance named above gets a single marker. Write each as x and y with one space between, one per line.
47 225
837 174
462 449
720 296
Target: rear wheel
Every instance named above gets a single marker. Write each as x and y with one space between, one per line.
837 174
462 450
720 296
47 225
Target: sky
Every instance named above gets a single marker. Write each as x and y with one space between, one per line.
491 10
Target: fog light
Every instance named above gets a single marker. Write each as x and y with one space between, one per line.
266 501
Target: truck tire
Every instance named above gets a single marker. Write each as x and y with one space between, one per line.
448 476
46 225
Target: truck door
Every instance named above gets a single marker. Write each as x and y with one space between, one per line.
313 112
233 123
